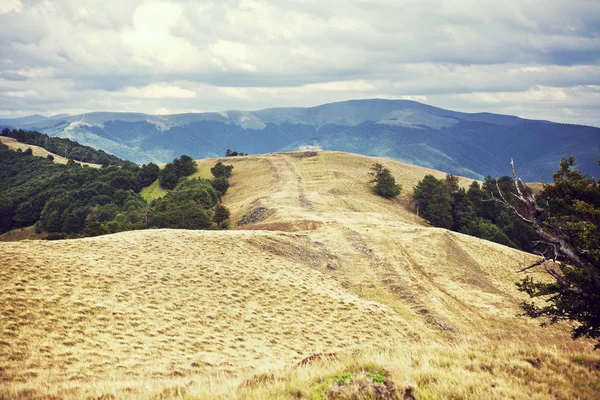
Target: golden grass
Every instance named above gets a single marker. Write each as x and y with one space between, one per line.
38 151
329 267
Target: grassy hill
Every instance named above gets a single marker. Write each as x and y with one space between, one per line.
321 287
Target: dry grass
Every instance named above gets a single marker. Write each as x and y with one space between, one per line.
38 151
200 314
18 234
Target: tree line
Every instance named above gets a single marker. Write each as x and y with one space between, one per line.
75 201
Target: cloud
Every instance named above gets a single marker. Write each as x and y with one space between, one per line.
157 91
535 58
7 6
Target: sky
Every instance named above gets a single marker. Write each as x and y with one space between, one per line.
534 59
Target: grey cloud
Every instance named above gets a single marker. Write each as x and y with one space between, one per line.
291 49
12 76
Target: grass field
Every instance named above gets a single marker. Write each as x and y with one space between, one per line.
317 268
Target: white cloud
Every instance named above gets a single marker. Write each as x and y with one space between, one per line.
157 91
7 6
529 58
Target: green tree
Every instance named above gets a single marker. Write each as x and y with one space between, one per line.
221 216
452 183
434 201
168 177
385 183
566 216
148 173
221 170
220 184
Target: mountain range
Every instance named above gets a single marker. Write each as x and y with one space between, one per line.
471 145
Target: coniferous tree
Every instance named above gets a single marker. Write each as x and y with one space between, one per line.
566 216
385 183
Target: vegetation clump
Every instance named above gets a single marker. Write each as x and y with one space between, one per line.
229 153
358 383
385 183
221 170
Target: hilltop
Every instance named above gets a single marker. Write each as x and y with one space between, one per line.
315 264
466 144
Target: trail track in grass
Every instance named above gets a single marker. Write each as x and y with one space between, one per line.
319 264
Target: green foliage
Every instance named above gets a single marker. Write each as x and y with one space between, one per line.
229 153
180 167
63 147
434 201
74 201
378 378
385 183
474 212
148 174
221 171
221 184
342 378
570 223
221 216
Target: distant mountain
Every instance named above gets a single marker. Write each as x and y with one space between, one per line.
472 145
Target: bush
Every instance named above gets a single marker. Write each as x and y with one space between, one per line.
221 215
221 171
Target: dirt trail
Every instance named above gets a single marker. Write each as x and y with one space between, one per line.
386 254
329 268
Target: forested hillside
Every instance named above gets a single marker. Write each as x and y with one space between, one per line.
74 201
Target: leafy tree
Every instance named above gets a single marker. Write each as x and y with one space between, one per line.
50 157
168 177
566 216
185 165
385 183
221 171
221 216
28 151
221 184
148 173
175 170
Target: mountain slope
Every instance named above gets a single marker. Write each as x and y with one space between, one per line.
473 145
316 263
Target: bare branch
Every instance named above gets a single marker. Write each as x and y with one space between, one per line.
535 264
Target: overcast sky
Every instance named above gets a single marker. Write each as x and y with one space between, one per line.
535 59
